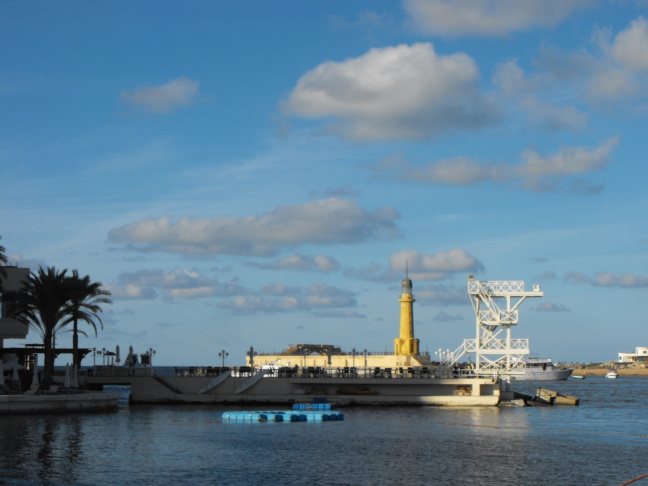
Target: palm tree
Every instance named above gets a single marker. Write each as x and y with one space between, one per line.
41 304
84 304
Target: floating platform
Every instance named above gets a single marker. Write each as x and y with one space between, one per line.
283 416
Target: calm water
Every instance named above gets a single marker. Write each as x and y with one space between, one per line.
604 441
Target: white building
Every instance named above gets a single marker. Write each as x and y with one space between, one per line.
641 354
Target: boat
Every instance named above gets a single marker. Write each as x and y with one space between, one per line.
543 369
612 374
578 377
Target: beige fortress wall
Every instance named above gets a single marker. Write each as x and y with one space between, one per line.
337 361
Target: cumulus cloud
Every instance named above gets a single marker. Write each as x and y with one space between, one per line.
630 46
614 70
129 292
607 279
439 294
175 94
423 266
373 272
325 222
458 171
567 161
550 307
529 97
488 17
284 298
536 172
18 260
180 284
320 263
395 92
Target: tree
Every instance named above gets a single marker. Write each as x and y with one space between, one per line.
42 305
84 304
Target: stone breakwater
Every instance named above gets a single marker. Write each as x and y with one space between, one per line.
603 371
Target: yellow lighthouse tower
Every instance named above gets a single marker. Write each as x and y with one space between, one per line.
406 345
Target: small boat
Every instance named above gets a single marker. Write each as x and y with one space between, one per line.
578 377
612 374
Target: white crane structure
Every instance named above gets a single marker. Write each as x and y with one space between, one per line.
496 351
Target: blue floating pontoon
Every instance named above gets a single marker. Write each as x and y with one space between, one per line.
283 416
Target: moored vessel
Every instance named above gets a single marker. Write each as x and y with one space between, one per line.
543 369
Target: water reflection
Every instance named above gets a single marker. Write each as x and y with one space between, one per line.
49 447
395 445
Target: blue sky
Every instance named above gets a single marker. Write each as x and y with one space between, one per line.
257 173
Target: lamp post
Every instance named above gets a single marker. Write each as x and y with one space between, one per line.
223 354
251 353
353 353
94 357
365 356
151 353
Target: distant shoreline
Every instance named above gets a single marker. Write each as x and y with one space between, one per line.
603 371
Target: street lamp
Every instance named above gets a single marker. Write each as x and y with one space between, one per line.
223 355
251 353
151 353
94 357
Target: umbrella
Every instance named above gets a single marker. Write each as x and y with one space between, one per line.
66 384
35 381
74 380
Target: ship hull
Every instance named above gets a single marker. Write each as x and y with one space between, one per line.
545 375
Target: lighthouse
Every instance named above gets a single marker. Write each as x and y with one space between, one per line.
406 345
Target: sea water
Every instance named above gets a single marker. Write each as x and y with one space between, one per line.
603 441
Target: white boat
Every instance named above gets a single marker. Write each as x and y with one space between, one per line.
612 374
578 377
543 369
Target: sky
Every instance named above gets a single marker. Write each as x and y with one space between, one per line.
261 173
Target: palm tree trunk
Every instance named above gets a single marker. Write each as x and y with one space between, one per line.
48 365
75 345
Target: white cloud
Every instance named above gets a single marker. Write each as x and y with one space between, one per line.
394 92
129 291
525 94
630 47
321 263
181 284
567 161
607 279
535 172
441 295
459 171
283 298
551 307
423 266
324 222
166 98
488 17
